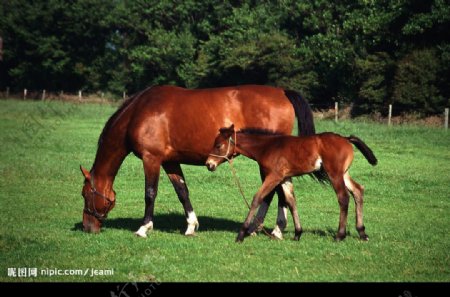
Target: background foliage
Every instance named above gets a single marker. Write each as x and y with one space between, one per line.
368 52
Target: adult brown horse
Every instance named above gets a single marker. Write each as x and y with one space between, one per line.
168 126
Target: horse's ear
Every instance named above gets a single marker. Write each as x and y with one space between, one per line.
85 172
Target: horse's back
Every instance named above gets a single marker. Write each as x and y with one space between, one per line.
181 123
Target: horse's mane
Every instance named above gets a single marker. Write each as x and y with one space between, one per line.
259 131
116 115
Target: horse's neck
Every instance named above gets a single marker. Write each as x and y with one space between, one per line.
111 152
107 163
251 146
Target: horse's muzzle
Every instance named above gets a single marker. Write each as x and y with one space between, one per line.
211 166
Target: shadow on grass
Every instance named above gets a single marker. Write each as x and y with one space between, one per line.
169 223
174 222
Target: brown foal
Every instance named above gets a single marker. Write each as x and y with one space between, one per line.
281 157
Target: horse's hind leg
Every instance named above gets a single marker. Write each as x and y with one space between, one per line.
357 191
288 189
176 176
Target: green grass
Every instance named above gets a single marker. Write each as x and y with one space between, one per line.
407 209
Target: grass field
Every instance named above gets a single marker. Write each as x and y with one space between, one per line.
407 210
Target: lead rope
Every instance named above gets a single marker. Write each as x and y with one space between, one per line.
238 184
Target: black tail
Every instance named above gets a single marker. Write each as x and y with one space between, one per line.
306 126
303 113
365 150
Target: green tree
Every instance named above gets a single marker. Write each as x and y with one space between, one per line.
375 73
415 82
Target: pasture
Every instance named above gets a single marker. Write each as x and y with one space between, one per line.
406 211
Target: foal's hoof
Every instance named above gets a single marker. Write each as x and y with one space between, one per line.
240 237
277 234
297 235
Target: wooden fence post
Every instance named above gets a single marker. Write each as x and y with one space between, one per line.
7 92
124 95
336 111
390 114
79 94
43 95
25 94
446 119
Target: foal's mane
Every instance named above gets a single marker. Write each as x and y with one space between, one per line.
259 131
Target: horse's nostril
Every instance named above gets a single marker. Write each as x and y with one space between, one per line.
210 166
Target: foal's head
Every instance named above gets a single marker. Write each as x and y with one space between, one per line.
223 149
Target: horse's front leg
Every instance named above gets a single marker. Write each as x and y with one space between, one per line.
151 169
176 176
269 184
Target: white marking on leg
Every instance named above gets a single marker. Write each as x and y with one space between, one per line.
192 223
318 163
288 189
142 232
277 233
181 181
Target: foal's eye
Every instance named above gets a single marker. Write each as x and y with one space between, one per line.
218 146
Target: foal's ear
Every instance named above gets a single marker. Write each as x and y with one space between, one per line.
227 130
85 172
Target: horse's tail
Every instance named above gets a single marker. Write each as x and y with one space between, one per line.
305 125
365 150
303 113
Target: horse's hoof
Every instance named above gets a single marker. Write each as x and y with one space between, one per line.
140 234
253 234
190 231
339 238
364 237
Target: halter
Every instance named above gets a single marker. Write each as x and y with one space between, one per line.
230 141
94 212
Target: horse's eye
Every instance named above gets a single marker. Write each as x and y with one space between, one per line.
218 146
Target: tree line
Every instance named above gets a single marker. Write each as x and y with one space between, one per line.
368 52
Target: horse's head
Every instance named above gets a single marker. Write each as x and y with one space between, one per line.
223 149
96 203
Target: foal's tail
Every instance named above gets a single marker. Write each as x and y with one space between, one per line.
365 150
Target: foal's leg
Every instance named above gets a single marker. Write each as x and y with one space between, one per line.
176 176
283 194
357 191
343 196
269 184
258 222
288 189
151 169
